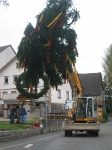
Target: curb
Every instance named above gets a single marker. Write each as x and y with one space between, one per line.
17 134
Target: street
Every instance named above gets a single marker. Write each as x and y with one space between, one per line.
56 140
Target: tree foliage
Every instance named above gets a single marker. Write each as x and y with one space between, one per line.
108 99
48 49
4 2
107 65
107 81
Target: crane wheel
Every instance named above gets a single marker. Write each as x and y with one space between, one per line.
68 133
96 133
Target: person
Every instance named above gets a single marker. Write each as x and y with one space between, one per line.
84 109
12 114
19 110
24 115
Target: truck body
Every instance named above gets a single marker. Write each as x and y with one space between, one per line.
83 114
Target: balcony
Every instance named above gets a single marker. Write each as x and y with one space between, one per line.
13 97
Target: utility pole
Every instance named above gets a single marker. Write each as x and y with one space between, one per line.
46 110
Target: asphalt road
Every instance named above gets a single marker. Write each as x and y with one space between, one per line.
57 141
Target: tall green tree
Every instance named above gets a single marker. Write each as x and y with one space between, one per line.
107 67
108 99
48 50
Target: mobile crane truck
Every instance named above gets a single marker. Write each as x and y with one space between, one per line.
83 113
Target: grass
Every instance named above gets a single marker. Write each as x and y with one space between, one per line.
32 120
6 126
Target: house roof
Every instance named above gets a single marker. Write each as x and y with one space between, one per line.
91 83
2 48
14 58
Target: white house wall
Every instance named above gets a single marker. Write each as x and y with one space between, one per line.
65 86
63 89
9 71
5 56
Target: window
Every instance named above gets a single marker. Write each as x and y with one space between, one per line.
59 94
67 95
13 92
6 80
15 78
4 93
17 65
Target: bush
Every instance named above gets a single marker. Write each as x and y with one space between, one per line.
105 116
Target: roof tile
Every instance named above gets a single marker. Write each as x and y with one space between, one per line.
91 83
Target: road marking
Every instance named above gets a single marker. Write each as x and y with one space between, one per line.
42 138
28 142
29 145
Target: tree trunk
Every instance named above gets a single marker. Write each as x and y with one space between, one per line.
18 118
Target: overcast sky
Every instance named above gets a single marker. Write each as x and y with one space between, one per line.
94 28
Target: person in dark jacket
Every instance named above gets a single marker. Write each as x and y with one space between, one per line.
12 114
20 114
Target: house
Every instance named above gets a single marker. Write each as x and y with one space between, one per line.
9 71
92 86
6 54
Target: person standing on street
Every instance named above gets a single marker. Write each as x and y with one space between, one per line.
20 113
24 114
12 114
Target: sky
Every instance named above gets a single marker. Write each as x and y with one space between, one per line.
94 28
